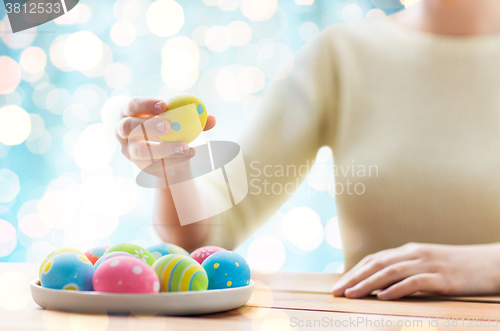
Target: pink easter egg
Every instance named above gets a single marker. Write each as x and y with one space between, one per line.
124 274
202 253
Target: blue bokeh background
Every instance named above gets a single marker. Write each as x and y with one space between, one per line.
49 194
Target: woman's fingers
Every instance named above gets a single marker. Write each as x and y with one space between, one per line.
367 269
210 123
130 127
425 282
384 278
157 168
144 108
152 151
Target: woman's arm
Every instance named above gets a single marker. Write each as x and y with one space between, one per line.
294 120
140 111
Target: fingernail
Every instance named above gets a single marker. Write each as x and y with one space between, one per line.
350 292
158 106
160 126
179 150
382 295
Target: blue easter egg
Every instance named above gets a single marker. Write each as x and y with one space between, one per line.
68 271
226 269
165 249
109 255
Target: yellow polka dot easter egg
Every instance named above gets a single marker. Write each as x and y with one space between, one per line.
187 116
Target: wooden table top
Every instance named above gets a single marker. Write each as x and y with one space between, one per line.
281 301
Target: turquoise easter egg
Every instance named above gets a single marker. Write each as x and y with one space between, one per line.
68 271
54 253
226 269
180 273
165 249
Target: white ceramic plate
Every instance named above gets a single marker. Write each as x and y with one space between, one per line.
174 303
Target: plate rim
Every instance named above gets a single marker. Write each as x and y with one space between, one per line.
36 284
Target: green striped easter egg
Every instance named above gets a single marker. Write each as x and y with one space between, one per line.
180 273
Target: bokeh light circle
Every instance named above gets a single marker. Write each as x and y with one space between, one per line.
123 33
165 18
218 38
111 111
76 117
14 98
199 35
93 97
56 52
180 63
127 9
251 80
308 30
83 50
56 209
33 227
117 76
351 12
375 12
56 100
302 227
332 234
126 192
266 253
94 148
18 40
100 69
15 125
240 32
9 185
258 10
408 3
33 60
13 290
8 238
41 144
10 74
226 83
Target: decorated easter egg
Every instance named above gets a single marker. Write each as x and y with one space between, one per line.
226 269
110 255
56 252
203 252
125 274
187 116
137 251
95 253
166 248
180 273
68 271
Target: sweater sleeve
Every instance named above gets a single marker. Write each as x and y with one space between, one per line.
295 118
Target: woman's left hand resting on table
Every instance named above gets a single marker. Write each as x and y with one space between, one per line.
441 269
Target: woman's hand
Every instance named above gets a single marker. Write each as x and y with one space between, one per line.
134 145
442 269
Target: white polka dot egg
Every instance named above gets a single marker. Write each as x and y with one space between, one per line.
125 274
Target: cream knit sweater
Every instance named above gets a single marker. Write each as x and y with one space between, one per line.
422 110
